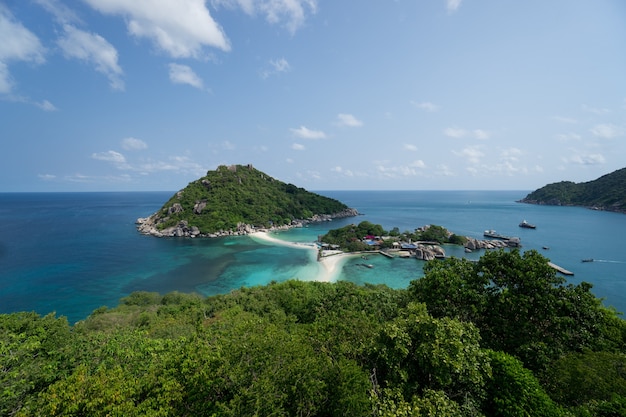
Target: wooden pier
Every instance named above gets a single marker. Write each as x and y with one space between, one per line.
387 254
560 269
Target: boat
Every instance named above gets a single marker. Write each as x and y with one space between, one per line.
527 225
492 234
588 260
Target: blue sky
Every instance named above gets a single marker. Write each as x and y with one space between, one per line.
106 95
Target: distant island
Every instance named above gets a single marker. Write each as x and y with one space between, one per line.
605 193
235 200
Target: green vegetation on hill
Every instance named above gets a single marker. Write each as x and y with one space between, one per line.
500 337
240 194
606 193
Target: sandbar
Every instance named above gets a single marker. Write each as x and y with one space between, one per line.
329 265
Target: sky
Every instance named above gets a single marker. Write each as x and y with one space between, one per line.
148 95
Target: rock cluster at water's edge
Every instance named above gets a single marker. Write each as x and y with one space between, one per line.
474 244
149 226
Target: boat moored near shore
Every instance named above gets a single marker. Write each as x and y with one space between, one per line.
527 225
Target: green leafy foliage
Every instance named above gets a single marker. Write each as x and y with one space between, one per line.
514 391
607 192
421 353
351 237
580 378
32 356
462 341
241 194
520 306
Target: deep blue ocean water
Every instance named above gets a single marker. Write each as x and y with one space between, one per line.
71 253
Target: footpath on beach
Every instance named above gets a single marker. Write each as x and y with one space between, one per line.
329 265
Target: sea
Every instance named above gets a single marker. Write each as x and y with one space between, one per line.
71 253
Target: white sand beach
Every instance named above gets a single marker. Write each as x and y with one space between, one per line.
329 266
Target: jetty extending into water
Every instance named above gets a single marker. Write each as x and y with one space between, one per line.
560 269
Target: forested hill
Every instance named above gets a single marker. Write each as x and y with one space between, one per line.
504 336
235 199
605 193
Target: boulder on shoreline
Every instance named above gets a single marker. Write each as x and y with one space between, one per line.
474 244
429 252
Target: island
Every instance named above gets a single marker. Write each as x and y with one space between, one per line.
238 200
424 243
605 193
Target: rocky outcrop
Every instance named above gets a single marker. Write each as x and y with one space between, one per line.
429 252
150 225
199 206
474 244
175 208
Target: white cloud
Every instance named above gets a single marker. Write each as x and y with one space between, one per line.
418 164
182 74
298 147
5 79
176 163
133 144
453 5
344 172
180 28
228 145
566 137
109 156
399 171
567 120
607 131
588 159
94 49
472 154
426 105
481 134
276 67
348 120
61 12
444 171
457 133
410 147
18 44
289 13
46 106
454 132
511 154
595 110
306 133
47 177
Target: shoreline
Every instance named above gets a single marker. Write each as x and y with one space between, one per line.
329 266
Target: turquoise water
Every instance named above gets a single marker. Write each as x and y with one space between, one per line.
73 252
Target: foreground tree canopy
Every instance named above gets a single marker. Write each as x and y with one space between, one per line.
501 337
